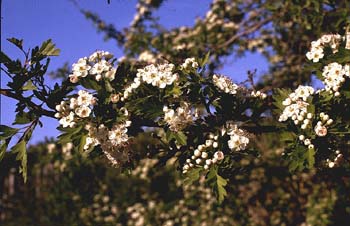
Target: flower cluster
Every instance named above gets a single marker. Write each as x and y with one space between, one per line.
65 152
296 107
258 94
159 76
102 211
109 139
238 138
183 211
321 126
80 106
97 64
225 84
317 47
148 57
181 117
200 155
320 130
238 141
143 168
190 63
136 214
334 76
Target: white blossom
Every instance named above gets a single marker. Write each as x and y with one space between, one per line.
83 111
334 76
225 84
179 118
190 63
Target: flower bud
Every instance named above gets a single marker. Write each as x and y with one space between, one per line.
204 155
197 153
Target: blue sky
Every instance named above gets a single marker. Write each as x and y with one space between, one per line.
38 20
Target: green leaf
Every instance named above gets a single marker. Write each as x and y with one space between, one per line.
310 157
279 96
64 138
109 88
293 165
29 86
20 149
3 147
23 118
221 183
205 60
82 143
218 184
7 132
181 138
48 49
4 58
192 176
90 84
16 42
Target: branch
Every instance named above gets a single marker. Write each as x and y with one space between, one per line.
245 32
38 109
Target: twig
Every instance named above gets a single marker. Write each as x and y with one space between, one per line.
245 32
38 109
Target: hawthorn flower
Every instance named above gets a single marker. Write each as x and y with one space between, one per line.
321 126
118 134
225 84
96 64
81 68
320 130
62 109
79 106
296 107
302 92
84 98
189 64
90 142
73 78
179 118
317 47
334 76
258 94
315 54
219 155
110 140
67 121
83 111
98 55
110 75
100 67
159 76
238 142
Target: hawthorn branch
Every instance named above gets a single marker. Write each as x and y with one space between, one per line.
249 30
37 109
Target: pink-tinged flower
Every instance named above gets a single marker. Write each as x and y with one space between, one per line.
320 130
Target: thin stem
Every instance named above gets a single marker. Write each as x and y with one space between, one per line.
38 109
